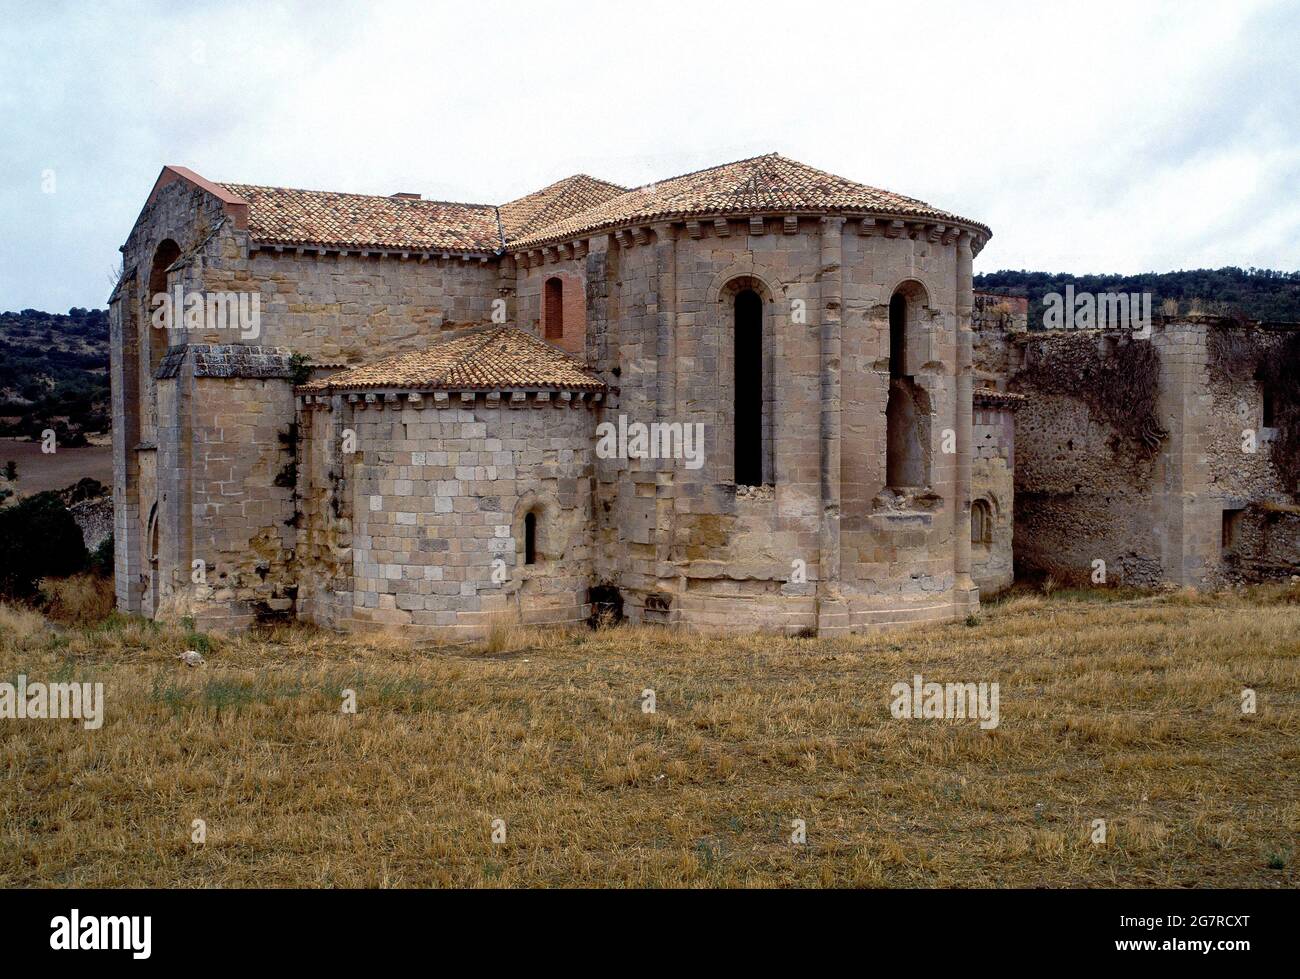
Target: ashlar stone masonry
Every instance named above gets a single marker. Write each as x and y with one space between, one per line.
408 437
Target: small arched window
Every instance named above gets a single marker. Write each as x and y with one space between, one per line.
981 522
553 308
530 538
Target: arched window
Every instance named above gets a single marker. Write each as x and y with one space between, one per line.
981 522
553 308
164 255
530 538
748 393
907 408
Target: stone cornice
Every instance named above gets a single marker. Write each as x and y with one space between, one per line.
627 234
425 398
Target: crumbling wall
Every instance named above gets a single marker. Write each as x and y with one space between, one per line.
1150 455
323 550
1248 462
993 484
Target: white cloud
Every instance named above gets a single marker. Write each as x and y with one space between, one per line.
1091 136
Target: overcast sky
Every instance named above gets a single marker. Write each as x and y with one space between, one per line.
1092 137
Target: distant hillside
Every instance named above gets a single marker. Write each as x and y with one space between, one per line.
54 373
1258 294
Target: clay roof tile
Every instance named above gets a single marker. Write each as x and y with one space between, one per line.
485 358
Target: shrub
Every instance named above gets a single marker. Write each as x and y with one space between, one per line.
38 539
101 559
83 599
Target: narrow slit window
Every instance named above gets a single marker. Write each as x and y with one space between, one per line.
748 401
530 538
981 523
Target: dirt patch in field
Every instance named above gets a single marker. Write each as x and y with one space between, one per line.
38 471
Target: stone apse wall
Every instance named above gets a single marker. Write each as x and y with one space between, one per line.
689 546
423 525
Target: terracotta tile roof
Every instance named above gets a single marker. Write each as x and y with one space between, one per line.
492 358
565 209
279 215
559 201
762 183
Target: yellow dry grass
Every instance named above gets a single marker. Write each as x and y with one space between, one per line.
1125 709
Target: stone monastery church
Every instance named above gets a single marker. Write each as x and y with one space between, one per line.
404 427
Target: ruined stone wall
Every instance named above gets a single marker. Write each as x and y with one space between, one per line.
323 547
1258 524
993 485
997 313
998 356
438 491
1083 491
1088 489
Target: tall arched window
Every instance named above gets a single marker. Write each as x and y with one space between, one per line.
748 393
907 408
166 253
553 308
530 538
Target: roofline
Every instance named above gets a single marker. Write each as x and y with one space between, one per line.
319 247
237 209
353 193
234 205
383 387
573 176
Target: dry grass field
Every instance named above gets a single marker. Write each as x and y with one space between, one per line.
1119 707
38 471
